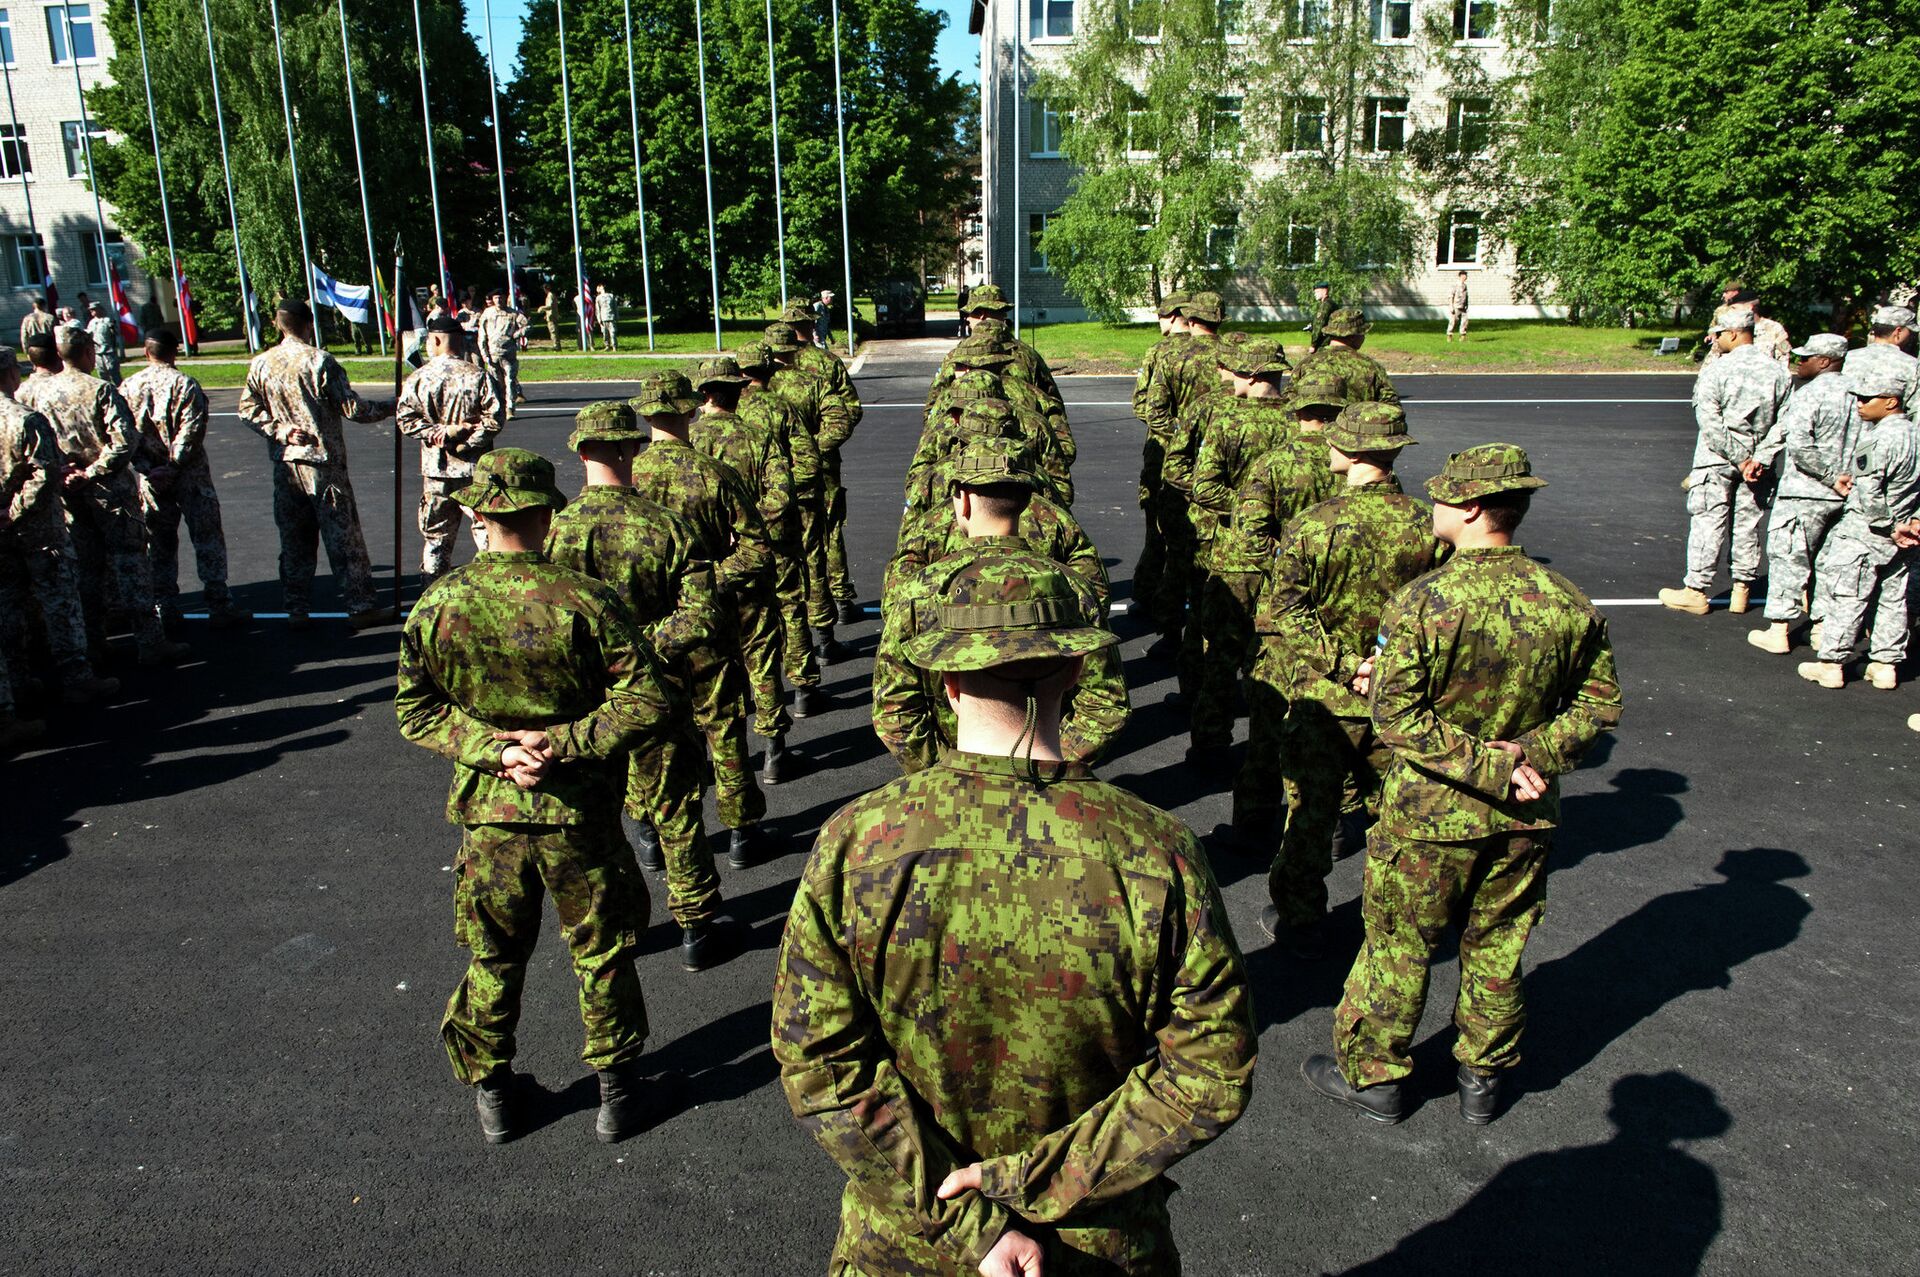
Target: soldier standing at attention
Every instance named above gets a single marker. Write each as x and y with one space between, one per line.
711 497
449 405
106 343
1457 303
1182 382
37 320
1493 677
786 339
768 410
823 361
170 412
651 558
1362 375
104 495
1735 401
500 329
297 396
606 311
987 310
1322 312
532 678
1812 446
549 311
1093 1021
1338 564
1888 332
1153 452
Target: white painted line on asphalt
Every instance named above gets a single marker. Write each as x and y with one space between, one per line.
1719 602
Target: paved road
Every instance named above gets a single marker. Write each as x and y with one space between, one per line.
226 943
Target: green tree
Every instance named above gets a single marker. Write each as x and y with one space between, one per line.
386 80
899 113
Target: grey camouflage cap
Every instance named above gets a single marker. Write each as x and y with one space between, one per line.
1875 384
1892 317
1732 319
1826 345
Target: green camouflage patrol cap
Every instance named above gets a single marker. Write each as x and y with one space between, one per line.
781 339
974 383
508 480
1003 608
721 370
991 462
1252 356
1481 472
1370 427
1205 307
1170 304
1321 390
987 297
1348 321
608 421
755 358
797 312
982 350
664 394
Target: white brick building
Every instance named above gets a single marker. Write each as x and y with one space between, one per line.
1026 178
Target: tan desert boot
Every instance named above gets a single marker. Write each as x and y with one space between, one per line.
1686 600
1881 675
1825 673
1772 639
1740 597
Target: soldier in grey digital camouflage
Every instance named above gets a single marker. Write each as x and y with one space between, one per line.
500 330
170 413
533 680
449 404
1341 356
1811 450
794 584
1493 676
1889 329
1735 402
1863 573
297 396
1008 999
106 342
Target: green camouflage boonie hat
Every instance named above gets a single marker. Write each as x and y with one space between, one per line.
992 461
974 384
1369 427
781 339
664 394
721 370
1253 356
989 418
797 312
1348 321
1003 608
1317 390
1170 304
608 421
1205 307
754 358
985 349
1481 472
987 297
508 480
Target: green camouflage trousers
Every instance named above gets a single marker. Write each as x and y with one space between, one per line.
834 496
1227 624
1494 889
665 783
190 496
790 588
1331 765
762 638
1153 555
503 872
717 686
813 539
1168 607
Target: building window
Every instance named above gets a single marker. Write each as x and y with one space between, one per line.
1222 247
1036 231
6 38
1309 19
26 263
1049 19
1473 20
1386 125
1309 124
1460 240
1469 125
15 159
75 20
90 246
1043 129
1303 244
1544 21
1233 17
1392 21
1226 124
1142 18
76 147
1140 141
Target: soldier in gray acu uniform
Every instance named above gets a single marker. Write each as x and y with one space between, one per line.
451 407
1812 446
1888 332
1735 401
500 329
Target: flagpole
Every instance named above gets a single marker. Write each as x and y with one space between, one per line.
86 146
226 169
159 168
359 165
1020 232
639 187
584 303
293 162
26 187
500 162
840 129
779 208
400 307
433 173
706 164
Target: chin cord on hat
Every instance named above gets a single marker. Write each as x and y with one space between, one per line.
1030 724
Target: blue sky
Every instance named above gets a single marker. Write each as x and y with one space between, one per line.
957 52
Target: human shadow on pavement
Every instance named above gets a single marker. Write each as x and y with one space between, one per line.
1286 987
723 1059
1640 809
1637 1203
1679 943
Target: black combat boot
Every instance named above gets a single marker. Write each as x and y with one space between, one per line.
808 701
706 944
646 845
1351 834
826 648
851 613
1309 944
494 1099
770 765
1380 1102
745 846
1479 1095
622 1111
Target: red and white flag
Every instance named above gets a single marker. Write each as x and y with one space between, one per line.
189 326
129 330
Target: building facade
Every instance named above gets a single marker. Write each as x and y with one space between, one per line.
1026 178
47 209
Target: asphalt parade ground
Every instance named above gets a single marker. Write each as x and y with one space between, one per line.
226 941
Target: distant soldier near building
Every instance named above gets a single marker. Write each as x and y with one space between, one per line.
1322 311
793 344
831 421
532 679
297 396
170 412
106 343
1494 676
1093 1021
450 406
1457 303
606 312
37 320
1340 356
1153 555
501 329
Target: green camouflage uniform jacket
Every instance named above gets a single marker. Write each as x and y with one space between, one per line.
768 409
926 482
1018 964
755 455
1028 360
1488 646
1366 381
828 367
1338 564
511 641
716 501
1150 368
651 558
911 713
1050 529
1282 481
1322 312
1236 434
1183 374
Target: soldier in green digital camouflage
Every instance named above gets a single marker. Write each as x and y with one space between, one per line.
1346 331
1188 374
794 583
822 361
533 679
827 418
651 557
1284 480
833 427
987 312
715 500
1322 312
1044 414
972 385
1153 554
991 484
1008 999
1494 676
1338 564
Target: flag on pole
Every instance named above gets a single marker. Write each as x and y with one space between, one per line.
255 338
382 306
129 330
408 325
189 326
353 301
